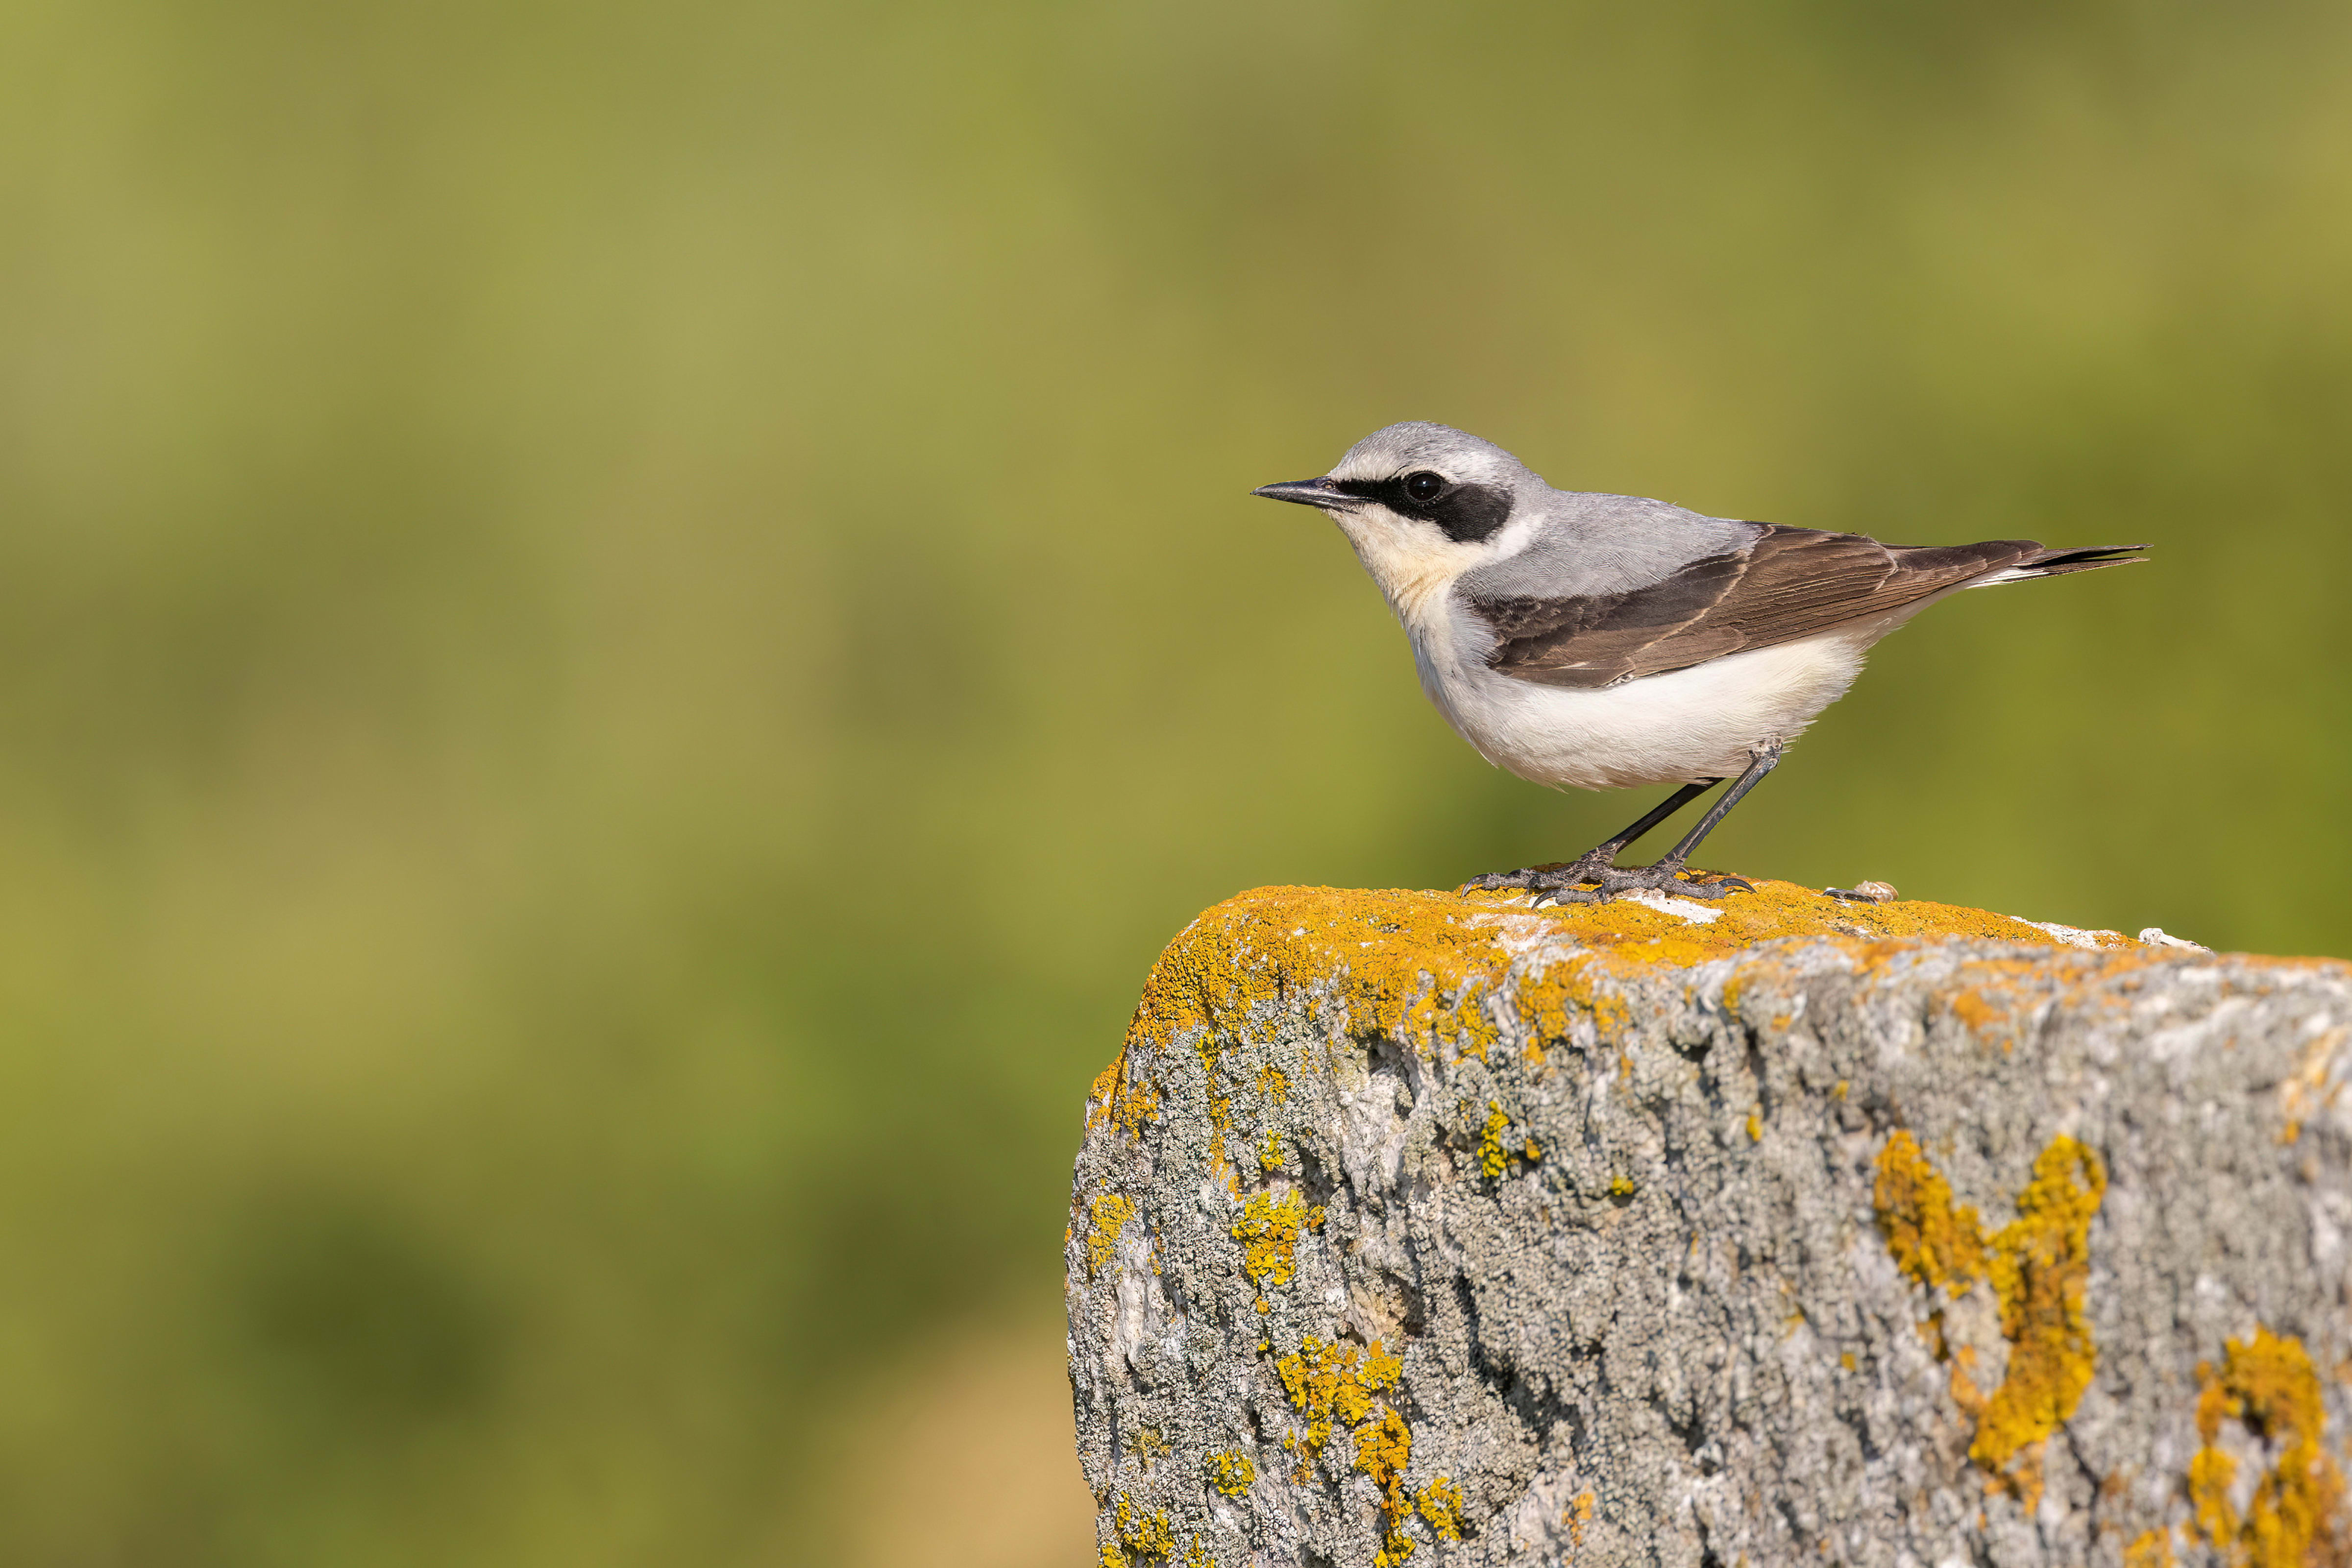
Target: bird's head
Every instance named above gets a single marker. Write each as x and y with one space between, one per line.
1421 503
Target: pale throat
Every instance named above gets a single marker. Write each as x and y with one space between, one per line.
1413 573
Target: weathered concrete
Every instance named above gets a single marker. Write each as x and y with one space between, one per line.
1413 1225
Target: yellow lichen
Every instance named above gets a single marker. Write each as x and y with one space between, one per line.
1325 1384
1931 1241
1271 1156
1198 1556
2150 1549
1550 1001
1111 1213
1120 1098
2211 1471
2268 1387
1140 1534
1441 1504
1268 1231
1273 1084
1419 966
1209 1047
1494 1156
1410 966
1383 1450
1233 1472
2040 1270
1621 1186
1755 1127
2038 1266
1327 1387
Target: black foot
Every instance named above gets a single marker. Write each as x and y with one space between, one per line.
1540 878
1666 877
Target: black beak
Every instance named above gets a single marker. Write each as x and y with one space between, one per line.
1324 493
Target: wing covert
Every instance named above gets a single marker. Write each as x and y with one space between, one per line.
1787 585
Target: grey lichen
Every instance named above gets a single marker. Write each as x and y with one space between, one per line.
1419 1227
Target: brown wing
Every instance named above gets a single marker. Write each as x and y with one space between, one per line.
1790 584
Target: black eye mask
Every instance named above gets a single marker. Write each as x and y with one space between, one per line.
1466 513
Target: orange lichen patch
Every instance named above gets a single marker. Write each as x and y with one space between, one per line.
2039 1266
1273 1084
2268 1387
1773 911
1989 994
1971 1399
1111 1212
2313 1088
1996 991
2150 1549
1579 1515
1268 1231
1973 1011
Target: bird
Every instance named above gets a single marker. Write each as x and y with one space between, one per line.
1599 641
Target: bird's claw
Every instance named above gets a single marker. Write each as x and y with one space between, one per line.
1534 879
1614 881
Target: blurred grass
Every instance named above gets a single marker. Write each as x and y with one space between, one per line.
622 629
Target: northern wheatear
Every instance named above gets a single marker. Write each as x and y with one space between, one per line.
1605 641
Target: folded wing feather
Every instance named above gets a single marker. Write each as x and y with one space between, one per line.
1788 585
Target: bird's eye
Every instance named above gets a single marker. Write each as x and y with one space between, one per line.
1424 486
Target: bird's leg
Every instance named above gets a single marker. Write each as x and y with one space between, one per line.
1602 857
1665 876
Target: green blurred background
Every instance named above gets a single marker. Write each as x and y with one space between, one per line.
623 626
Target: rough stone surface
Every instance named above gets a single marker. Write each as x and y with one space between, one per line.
1416 1225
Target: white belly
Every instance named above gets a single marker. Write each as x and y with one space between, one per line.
1678 727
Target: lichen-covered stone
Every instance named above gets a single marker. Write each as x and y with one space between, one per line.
1411 1226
